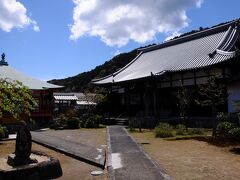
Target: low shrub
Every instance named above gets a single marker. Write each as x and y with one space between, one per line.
2 134
97 120
222 117
62 119
70 113
223 129
91 122
196 131
132 125
83 121
52 126
163 130
235 133
181 129
5 130
73 123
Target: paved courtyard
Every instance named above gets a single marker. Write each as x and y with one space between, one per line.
68 142
126 160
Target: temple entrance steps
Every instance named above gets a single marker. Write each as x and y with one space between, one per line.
121 121
116 121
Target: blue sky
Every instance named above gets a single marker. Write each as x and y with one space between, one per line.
61 38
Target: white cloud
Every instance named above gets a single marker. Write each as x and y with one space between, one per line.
174 34
199 3
13 14
36 28
119 21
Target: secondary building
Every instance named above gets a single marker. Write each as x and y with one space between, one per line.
148 85
75 100
42 93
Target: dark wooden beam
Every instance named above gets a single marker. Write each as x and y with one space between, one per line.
195 80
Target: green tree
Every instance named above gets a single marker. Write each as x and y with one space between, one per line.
237 106
183 103
212 94
15 99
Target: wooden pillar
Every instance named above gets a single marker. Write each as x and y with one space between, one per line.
170 80
154 97
223 73
109 102
52 105
159 96
41 103
182 79
59 107
128 103
195 78
146 100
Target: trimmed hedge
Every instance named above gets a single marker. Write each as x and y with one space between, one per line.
223 129
73 123
181 129
196 131
235 133
91 121
2 134
163 130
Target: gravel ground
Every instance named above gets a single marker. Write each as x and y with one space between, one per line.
192 159
72 168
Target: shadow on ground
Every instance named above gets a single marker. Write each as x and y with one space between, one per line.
235 150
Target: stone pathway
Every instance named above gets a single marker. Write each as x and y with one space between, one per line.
83 152
10 137
128 161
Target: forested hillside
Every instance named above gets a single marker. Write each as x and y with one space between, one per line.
82 81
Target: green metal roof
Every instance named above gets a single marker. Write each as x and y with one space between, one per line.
9 73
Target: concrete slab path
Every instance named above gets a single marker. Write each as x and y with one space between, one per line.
82 152
128 161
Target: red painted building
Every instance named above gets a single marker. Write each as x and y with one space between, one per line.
42 92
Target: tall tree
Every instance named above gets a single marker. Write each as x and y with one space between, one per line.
15 99
237 108
183 103
212 94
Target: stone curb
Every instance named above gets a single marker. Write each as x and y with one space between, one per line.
109 158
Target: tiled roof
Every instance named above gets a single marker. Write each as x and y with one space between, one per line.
9 73
64 97
86 103
194 51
